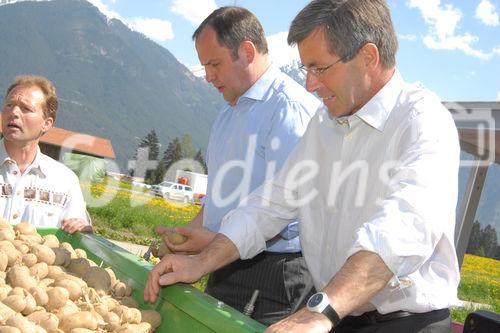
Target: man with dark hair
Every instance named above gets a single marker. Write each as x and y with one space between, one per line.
374 181
35 188
266 114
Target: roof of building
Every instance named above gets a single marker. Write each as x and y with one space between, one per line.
78 142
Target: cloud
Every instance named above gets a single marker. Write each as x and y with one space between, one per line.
105 10
280 52
195 11
407 37
487 14
156 29
443 21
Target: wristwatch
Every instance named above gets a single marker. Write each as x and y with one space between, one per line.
320 303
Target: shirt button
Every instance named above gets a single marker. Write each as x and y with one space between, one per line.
15 216
15 172
18 193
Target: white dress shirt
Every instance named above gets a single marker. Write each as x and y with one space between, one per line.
382 180
44 195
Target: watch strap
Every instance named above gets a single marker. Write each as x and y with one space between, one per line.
331 314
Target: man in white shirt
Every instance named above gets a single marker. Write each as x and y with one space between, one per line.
373 182
34 187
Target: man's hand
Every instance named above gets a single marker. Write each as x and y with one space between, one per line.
302 321
73 225
197 238
172 269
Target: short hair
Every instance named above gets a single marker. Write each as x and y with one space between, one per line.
234 25
348 26
46 86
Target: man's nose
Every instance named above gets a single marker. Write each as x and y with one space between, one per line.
312 82
209 75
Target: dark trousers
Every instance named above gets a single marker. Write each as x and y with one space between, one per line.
437 321
283 281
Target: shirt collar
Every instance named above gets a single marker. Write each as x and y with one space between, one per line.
259 89
35 166
376 112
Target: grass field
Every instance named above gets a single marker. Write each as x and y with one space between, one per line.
133 217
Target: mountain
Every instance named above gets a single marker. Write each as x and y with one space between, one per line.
111 81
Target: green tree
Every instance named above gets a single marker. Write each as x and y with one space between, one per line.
489 241
173 153
151 143
201 159
474 239
187 148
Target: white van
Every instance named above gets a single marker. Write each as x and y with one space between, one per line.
173 191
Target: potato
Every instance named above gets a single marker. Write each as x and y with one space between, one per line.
80 253
29 259
73 288
112 321
39 270
176 238
6 312
50 241
4 261
21 246
112 275
23 324
101 308
119 289
54 271
30 304
4 291
135 328
82 319
129 301
69 247
152 317
14 256
19 276
9 329
7 234
24 228
15 302
30 239
130 315
98 278
40 295
63 257
46 282
47 320
81 330
44 253
79 266
68 309
57 297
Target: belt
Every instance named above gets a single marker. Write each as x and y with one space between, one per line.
373 317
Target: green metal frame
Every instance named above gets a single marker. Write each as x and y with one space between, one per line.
182 307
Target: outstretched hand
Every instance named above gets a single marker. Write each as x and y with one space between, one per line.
171 269
196 238
73 225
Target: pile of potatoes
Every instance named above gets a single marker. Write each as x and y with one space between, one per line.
49 287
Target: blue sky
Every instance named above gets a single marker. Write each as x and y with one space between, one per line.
453 47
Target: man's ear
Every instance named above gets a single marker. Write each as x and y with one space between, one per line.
247 50
370 55
47 124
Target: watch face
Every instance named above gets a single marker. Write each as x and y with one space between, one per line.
315 300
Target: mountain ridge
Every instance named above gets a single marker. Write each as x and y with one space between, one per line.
112 82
